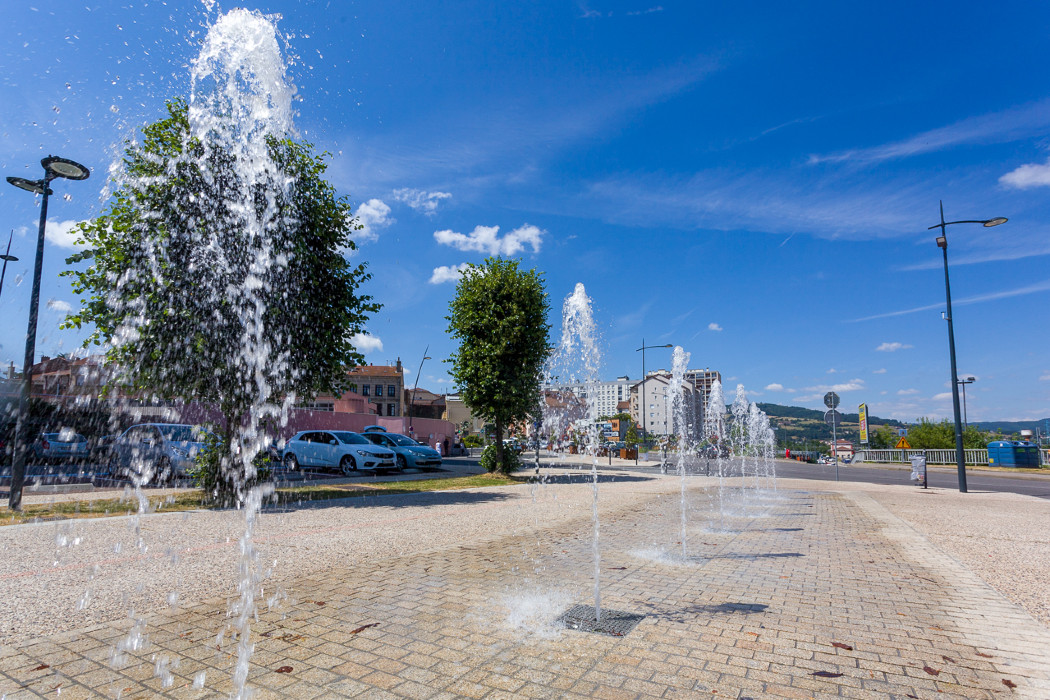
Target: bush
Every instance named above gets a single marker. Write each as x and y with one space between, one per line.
209 475
472 441
511 460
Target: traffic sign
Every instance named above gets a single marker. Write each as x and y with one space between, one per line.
831 399
832 417
902 444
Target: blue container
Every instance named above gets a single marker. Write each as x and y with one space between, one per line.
1013 453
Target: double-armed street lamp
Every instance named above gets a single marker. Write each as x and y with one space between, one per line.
645 432
415 388
963 383
942 243
6 257
54 167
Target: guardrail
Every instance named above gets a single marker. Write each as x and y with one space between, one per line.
974 457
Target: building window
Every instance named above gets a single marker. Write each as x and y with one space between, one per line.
391 408
364 390
391 391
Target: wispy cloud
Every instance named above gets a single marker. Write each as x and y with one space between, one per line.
942 396
421 200
448 273
774 387
57 232
852 385
59 305
1020 291
1045 377
714 327
893 347
880 371
366 343
486 239
907 392
997 127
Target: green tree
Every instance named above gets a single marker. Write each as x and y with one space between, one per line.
196 304
928 435
882 438
499 316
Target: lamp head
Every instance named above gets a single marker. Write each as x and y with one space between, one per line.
942 242
995 222
63 167
34 186
8 258
971 379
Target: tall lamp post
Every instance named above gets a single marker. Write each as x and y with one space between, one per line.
415 387
645 433
942 243
54 167
6 257
963 383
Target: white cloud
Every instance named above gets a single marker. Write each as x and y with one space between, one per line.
58 233
486 239
1045 377
907 392
942 396
372 215
448 273
774 387
714 327
851 385
880 371
892 347
833 371
1029 175
59 305
366 343
421 200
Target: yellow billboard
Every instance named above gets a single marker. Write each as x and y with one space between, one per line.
864 424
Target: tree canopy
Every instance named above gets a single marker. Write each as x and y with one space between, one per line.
209 285
499 316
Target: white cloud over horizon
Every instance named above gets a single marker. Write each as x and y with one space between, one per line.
893 347
448 273
421 200
851 385
774 387
366 343
942 396
486 239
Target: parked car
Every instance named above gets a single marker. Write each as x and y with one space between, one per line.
335 449
157 451
65 445
102 448
407 451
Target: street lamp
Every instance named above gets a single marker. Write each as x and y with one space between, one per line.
942 243
963 383
415 388
54 167
645 433
6 257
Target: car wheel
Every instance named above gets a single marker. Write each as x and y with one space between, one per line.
348 465
290 462
402 463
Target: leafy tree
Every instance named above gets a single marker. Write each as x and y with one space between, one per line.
199 299
499 316
632 438
882 438
928 435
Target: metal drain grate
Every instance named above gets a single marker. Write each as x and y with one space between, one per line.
614 623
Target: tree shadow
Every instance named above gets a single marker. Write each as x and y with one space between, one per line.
387 499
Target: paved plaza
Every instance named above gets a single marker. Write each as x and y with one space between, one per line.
817 590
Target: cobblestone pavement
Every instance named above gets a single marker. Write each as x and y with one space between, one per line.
805 593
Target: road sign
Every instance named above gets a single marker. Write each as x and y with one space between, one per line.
902 444
831 399
832 417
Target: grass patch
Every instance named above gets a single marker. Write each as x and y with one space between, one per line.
196 500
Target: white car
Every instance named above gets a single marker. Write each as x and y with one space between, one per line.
335 449
157 451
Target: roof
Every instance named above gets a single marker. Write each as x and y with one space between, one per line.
374 371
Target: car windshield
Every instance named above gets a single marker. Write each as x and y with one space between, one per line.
65 436
349 438
180 433
402 440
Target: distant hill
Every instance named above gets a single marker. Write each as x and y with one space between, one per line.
1013 426
796 425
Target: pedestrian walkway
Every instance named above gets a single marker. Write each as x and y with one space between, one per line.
808 593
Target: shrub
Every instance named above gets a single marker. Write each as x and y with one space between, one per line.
511 460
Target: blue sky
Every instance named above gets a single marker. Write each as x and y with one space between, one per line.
752 181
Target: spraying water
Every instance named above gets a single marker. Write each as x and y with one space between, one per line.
715 434
676 408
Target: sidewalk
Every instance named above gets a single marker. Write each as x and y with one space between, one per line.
826 590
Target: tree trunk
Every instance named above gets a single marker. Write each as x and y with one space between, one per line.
500 466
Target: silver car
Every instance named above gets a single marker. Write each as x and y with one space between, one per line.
409 452
61 446
335 449
157 451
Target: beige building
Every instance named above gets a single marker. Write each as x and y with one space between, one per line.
657 418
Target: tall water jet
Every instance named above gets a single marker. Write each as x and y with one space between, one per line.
715 434
677 410
577 360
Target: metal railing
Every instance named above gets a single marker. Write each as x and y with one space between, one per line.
974 457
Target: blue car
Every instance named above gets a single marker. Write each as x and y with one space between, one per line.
409 453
